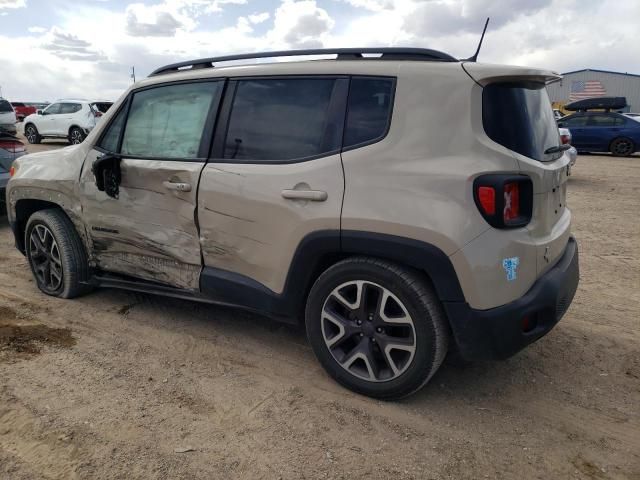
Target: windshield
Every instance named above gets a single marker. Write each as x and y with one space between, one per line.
518 115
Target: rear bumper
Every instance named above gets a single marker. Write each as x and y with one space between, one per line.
498 333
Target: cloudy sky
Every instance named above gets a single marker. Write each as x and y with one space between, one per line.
85 48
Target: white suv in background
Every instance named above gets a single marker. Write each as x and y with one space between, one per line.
7 116
68 118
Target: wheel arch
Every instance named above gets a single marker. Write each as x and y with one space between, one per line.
633 142
75 126
319 251
25 207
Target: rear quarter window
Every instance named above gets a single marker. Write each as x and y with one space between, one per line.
5 107
369 110
518 116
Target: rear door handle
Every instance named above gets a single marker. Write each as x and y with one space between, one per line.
313 195
179 186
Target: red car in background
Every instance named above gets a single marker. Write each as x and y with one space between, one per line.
23 110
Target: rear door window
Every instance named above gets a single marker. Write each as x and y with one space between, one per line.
281 120
601 121
518 115
369 110
168 121
579 121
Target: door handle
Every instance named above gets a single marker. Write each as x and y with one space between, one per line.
313 195
178 186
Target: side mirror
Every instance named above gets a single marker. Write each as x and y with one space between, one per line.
39 112
106 171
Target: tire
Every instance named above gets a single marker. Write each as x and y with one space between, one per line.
622 147
342 326
32 135
76 136
62 270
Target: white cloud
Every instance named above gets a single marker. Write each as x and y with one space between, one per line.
72 59
12 4
300 24
257 18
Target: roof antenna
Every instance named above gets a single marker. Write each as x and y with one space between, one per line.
475 55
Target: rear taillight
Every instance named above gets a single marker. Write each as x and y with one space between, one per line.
12 171
565 139
97 114
12 146
487 200
505 201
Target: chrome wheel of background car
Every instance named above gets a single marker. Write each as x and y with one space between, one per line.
44 255
76 136
368 331
622 147
31 134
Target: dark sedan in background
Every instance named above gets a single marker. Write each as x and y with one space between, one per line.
10 149
603 132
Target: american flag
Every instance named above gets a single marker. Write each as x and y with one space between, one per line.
581 89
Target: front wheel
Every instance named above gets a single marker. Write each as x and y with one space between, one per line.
76 136
622 147
56 255
377 328
31 132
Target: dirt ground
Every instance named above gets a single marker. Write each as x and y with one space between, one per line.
125 385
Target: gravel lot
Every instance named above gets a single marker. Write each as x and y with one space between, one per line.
125 385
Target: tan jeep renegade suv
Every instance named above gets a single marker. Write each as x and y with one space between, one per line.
400 201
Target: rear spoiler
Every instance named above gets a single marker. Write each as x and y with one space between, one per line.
483 73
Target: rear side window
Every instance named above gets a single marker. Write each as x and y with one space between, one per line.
369 110
519 117
281 119
168 121
5 107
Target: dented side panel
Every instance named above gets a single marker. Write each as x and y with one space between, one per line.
248 227
150 230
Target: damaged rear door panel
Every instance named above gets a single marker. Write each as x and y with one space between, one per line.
275 175
159 140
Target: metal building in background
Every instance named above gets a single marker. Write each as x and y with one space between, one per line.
590 83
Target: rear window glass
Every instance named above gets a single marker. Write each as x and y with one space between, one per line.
280 119
519 117
5 106
370 102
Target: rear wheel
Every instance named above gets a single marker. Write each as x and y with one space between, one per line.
76 136
31 132
56 255
622 147
377 328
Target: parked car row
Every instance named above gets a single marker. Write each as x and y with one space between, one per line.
72 119
11 148
596 131
68 118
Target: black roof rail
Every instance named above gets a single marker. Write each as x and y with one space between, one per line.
386 53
